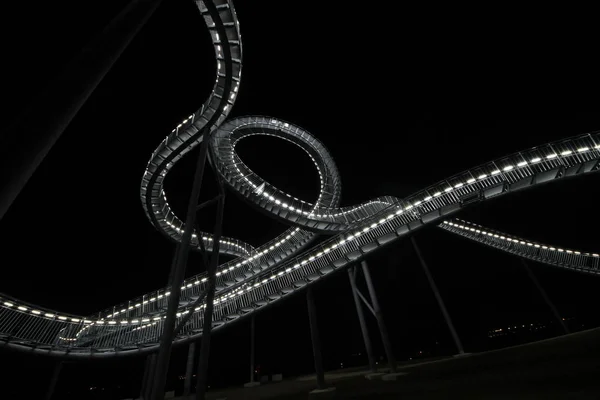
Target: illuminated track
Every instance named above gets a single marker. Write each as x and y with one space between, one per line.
262 275
571 259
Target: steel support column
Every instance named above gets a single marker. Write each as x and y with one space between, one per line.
379 316
252 348
545 296
210 296
316 340
189 370
147 390
52 111
361 320
146 377
181 257
54 380
438 297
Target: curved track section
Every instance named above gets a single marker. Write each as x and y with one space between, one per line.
544 253
263 275
136 327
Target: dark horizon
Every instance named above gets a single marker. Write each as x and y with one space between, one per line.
399 108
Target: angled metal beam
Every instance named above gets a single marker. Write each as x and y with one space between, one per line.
54 380
361 320
387 345
366 302
208 203
545 296
210 297
178 274
56 106
438 297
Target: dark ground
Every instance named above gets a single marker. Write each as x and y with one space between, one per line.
559 368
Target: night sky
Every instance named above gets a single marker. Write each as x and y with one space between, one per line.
401 100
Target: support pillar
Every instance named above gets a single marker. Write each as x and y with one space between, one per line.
252 348
316 340
379 316
545 296
54 108
147 389
438 297
145 377
181 257
252 383
54 380
361 319
189 370
202 380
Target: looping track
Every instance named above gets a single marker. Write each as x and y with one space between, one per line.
263 275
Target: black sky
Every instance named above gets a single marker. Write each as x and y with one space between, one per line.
401 98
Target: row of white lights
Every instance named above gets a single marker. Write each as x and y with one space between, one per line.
388 217
398 212
436 194
259 189
367 229
319 254
197 280
353 236
24 308
515 240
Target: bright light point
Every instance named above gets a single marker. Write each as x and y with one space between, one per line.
471 180
482 176
566 153
22 308
536 159
522 164
8 304
508 168
582 149
551 156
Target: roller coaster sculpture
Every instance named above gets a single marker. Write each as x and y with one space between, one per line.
260 276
